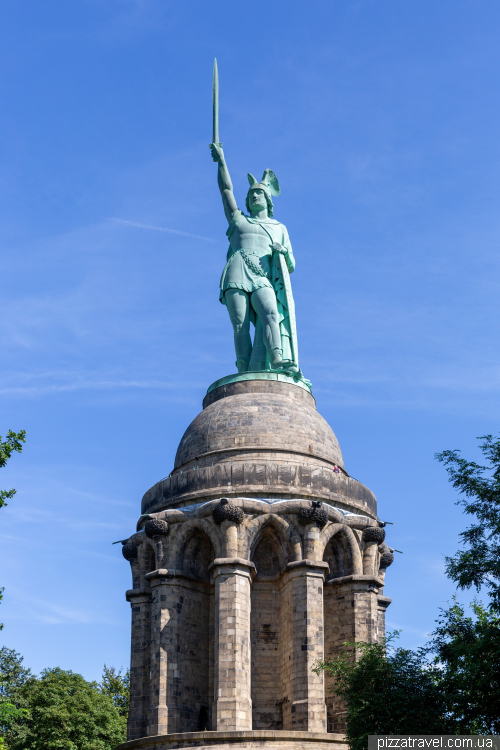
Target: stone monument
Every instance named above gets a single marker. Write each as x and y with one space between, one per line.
259 554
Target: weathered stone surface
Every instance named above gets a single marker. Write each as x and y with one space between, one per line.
259 475
351 614
156 527
374 534
260 439
257 387
254 740
226 511
278 417
129 551
386 559
315 514
254 583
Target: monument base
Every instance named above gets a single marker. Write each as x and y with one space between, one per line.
242 740
276 375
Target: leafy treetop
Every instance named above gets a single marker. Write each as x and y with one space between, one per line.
62 711
14 442
479 564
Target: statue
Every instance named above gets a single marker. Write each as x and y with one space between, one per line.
255 283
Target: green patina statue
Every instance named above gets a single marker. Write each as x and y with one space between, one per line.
255 284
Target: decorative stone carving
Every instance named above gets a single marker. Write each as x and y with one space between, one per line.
226 511
129 551
156 527
315 514
373 534
386 559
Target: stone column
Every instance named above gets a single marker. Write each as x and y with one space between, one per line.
369 558
302 617
137 723
158 714
166 608
352 605
353 610
232 708
383 603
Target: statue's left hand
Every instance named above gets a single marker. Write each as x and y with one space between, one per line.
278 248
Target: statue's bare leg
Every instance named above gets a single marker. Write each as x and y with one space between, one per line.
238 305
265 305
258 358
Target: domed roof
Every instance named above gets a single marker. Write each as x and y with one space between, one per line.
260 415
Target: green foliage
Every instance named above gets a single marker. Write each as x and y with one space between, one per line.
467 650
9 713
12 677
117 687
14 442
387 691
60 709
479 564
12 673
458 691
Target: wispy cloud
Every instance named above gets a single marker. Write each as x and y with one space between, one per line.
86 385
161 229
57 614
42 545
408 629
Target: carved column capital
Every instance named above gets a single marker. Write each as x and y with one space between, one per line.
232 565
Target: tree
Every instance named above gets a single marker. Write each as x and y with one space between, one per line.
14 442
467 650
117 687
60 709
479 564
388 691
453 684
12 672
65 712
12 676
9 713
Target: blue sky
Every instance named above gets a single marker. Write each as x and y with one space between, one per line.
381 120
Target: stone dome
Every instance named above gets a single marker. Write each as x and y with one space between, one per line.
259 438
263 416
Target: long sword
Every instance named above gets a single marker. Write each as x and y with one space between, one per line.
215 102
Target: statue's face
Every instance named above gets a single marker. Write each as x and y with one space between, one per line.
257 200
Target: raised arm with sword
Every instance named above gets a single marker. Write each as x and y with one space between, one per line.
255 284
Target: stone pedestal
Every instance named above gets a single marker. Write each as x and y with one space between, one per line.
250 740
261 571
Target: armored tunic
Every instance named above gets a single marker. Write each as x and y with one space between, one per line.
249 263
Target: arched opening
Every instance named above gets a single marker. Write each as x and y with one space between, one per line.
192 651
270 558
198 553
338 558
270 554
336 620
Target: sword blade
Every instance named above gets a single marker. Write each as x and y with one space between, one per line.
215 101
